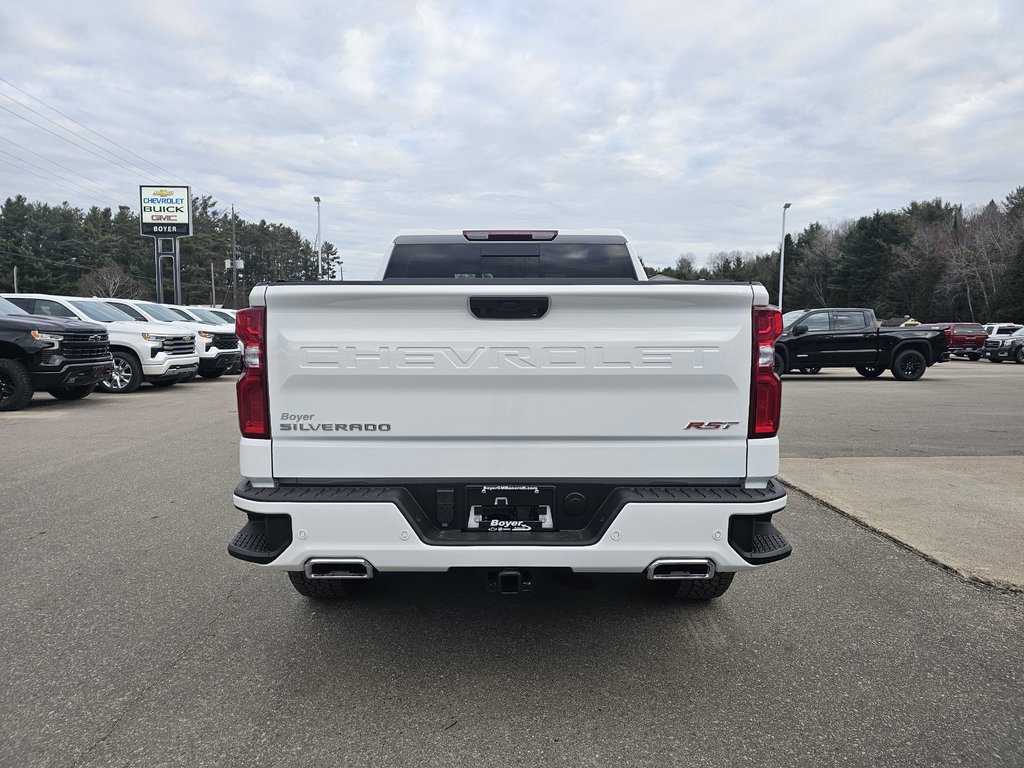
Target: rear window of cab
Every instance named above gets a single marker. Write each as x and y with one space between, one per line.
490 260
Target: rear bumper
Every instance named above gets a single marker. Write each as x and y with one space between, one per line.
735 533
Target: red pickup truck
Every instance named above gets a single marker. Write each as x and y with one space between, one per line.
963 339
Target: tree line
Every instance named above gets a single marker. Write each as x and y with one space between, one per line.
934 261
99 252
931 260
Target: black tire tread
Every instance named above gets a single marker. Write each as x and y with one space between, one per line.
73 393
870 371
898 373
697 590
17 371
320 589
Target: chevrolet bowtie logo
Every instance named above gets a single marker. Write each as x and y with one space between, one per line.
163 193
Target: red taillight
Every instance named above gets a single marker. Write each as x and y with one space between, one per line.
251 389
765 385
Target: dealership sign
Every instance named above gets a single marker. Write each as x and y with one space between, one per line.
166 211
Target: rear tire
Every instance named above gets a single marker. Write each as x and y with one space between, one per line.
1019 357
127 374
870 371
909 365
780 364
694 590
324 589
73 393
15 385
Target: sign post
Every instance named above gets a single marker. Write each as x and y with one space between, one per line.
166 216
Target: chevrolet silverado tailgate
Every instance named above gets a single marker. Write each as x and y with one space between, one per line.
402 381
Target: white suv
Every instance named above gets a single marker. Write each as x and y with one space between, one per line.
228 315
1001 329
216 343
222 340
160 354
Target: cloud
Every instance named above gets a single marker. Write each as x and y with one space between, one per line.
686 126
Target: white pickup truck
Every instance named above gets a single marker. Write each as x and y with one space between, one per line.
515 402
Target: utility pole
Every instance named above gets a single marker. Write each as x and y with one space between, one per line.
782 253
213 288
234 258
319 260
15 279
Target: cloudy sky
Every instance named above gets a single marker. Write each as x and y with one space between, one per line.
685 124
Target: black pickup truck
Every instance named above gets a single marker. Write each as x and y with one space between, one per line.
66 358
813 339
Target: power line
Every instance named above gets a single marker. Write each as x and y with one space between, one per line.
69 141
76 135
90 130
44 178
59 165
127 270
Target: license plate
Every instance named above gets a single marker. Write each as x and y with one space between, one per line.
510 508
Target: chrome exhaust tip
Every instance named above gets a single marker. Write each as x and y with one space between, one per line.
695 568
338 568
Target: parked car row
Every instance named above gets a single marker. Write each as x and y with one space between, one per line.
963 339
71 345
216 344
995 341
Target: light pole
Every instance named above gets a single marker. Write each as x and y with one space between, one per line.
319 264
782 253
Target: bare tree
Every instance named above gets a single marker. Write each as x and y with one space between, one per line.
110 281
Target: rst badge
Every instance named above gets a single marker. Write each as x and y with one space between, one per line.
711 424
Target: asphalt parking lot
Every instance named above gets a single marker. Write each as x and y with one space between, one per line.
938 465
130 638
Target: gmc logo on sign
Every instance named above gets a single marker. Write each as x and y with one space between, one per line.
711 424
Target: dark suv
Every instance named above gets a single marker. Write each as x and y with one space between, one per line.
1006 347
66 358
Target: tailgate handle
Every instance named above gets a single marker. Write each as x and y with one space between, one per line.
508 307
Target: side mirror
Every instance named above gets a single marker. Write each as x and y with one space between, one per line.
799 330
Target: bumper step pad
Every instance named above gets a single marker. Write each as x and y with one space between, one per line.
262 539
758 541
